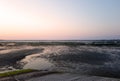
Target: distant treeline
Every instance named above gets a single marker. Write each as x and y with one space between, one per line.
70 43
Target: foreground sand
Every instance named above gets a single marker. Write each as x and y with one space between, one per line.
71 77
55 76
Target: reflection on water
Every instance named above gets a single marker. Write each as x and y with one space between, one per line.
40 64
36 63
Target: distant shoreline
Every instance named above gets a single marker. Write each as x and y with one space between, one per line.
61 42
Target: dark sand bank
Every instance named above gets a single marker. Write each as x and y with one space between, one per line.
60 42
12 57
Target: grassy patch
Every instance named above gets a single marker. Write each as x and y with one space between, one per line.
17 72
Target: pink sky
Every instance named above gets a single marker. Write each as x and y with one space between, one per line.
43 19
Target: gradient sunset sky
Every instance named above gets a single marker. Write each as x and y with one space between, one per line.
59 19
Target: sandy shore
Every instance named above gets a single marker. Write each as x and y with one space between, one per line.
55 76
71 77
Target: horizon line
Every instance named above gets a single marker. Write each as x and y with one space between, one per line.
56 40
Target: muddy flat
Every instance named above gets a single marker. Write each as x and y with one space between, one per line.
12 57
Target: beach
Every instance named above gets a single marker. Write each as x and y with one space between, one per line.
61 62
53 76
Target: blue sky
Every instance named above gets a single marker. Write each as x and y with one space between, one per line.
60 19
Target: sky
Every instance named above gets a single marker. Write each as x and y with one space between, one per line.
59 19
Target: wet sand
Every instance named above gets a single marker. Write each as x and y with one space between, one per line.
11 58
71 77
95 60
54 76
